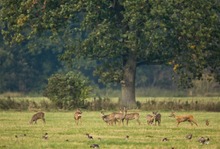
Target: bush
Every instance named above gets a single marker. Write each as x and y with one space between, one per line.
69 90
153 105
10 103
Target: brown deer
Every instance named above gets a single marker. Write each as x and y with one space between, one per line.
109 119
77 116
120 116
132 116
183 118
157 118
150 119
38 115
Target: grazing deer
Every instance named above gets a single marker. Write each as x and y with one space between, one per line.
157 118
109 119
150 119
131 116
35 117
184 118
77 116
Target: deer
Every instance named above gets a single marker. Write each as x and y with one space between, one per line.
120 116
77 116
183 118
132 116
157 118
109 119
150 119
38 115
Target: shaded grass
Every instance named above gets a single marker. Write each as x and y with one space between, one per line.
63 133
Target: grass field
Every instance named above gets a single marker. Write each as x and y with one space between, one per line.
17 133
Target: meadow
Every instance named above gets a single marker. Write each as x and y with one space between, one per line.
63 133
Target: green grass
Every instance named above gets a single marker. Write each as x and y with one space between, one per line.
63 133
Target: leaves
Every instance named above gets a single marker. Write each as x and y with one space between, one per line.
155 31
71 86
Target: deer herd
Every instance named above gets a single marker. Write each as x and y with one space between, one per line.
123 115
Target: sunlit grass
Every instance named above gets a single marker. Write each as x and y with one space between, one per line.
63 133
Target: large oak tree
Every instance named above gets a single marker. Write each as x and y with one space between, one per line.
120 35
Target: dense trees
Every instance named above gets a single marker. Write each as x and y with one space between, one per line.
121 35
23 70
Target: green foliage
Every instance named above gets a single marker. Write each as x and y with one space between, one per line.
121 34
177 33
195 35
23 19
70 87
25 71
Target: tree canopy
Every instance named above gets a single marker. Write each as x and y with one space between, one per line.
120 35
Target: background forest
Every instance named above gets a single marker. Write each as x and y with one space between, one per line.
32 45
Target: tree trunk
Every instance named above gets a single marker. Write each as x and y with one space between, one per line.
128 83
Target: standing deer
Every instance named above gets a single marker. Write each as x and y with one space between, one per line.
120 116
184 118
109 119
157 118
77 116
131 116
150 119
35 117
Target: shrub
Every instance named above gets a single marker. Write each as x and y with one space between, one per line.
68 90
153 105
10 103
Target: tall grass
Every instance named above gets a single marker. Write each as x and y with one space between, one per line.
180 103
17 133
94 104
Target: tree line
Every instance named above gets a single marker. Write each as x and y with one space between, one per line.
111 38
